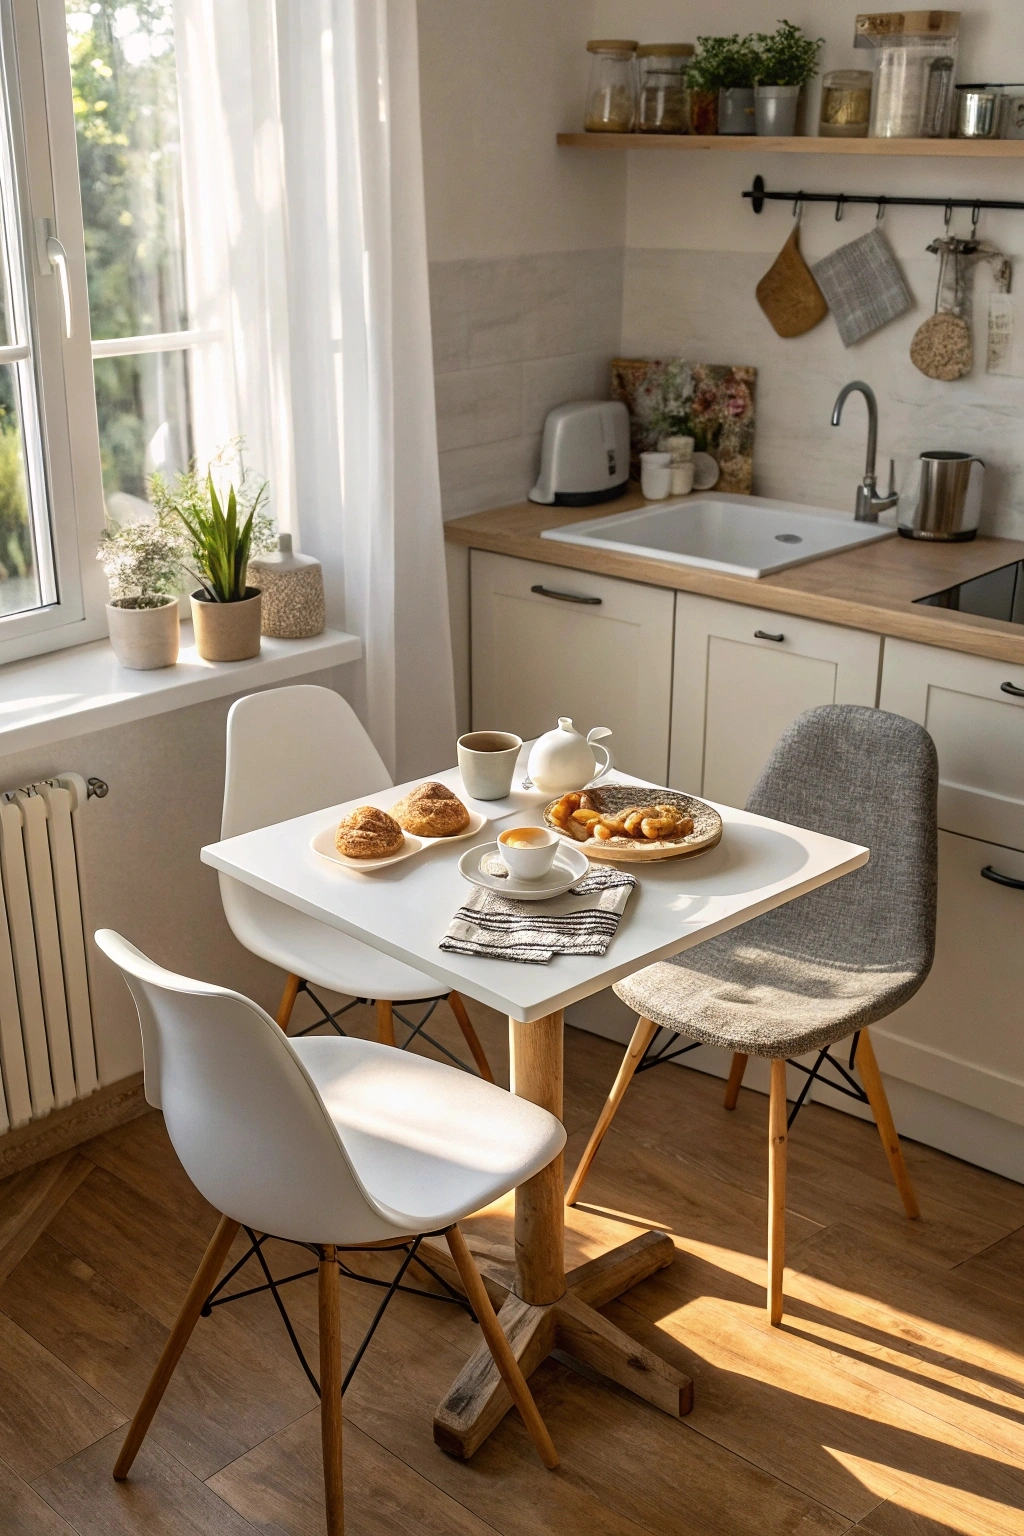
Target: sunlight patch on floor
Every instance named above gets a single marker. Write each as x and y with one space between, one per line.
962 1511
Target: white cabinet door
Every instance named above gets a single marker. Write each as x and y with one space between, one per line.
974 710
547 641
741 676
962 1035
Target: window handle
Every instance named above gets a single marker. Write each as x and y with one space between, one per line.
567 597
988 873
1018 693
762 634
57 256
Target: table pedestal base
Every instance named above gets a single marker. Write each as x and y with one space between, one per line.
478 1400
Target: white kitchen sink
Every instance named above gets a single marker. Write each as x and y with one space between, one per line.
743 535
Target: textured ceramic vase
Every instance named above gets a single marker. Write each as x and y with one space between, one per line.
144 639
227 631
293 592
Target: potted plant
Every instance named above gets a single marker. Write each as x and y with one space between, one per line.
219 537
142 564
723 73
788 60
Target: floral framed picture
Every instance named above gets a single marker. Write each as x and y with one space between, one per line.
711 403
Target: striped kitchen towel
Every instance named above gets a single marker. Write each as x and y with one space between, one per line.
582 922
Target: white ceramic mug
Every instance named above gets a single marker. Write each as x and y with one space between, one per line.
655 475
528 852
487 762
682 478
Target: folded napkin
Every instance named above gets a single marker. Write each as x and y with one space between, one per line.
582 922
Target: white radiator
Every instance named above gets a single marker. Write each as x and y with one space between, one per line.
47 1051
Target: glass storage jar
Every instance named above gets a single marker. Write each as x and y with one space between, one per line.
915 60
845 104
611 96
664 103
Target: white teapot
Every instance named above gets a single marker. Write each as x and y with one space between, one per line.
561 760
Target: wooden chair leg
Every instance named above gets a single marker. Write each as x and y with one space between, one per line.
470 1036
385 1022
203 1283
642 1036
497 1343
329 1305
735 1083
777 1135
288 996
875 1090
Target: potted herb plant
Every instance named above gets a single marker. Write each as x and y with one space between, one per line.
788 59
142 562
721 82
219 535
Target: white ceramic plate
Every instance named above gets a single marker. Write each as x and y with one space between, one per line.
570 865
706 472
323 844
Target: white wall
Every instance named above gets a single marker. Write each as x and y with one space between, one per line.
695 251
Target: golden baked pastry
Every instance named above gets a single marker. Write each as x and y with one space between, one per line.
431 810
367 833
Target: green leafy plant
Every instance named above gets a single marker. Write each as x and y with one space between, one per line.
220 540
787 56
724 63
142 561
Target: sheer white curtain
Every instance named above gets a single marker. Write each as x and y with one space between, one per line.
307 111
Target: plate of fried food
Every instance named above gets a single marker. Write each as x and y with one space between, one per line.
633 825
368 837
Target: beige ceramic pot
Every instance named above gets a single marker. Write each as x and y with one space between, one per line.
144 638
227 631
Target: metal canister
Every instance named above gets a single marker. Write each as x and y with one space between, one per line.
977 111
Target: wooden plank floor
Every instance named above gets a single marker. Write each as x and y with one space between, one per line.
890 1403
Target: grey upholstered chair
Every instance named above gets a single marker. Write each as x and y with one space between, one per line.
810 973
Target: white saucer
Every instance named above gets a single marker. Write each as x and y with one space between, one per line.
570 865
706 472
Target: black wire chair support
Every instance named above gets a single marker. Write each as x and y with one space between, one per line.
416 1030
410 1253
656 1055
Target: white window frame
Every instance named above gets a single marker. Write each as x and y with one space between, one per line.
46 167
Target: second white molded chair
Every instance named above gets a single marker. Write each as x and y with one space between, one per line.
290 751
367 1146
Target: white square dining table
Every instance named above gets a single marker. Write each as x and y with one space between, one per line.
404 909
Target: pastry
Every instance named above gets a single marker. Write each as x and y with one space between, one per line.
431 810
367 833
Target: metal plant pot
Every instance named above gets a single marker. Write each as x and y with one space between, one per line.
736 109
775 109
143 639
227 631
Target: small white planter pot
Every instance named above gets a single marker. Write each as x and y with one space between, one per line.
144 638
775 109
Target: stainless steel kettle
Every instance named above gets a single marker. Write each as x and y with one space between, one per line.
949 499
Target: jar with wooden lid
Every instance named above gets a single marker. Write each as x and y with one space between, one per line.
915 62
612 93
664 103
845 104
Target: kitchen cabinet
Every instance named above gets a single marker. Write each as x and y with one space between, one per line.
548 641
741 676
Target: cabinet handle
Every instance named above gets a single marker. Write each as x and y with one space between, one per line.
988 873
762 634
567 597
1018 693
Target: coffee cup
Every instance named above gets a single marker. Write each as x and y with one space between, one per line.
682 478
487 761
528 852
655 475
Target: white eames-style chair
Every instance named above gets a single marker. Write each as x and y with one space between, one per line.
367 1147
291 751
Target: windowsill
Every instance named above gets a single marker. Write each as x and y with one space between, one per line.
67 693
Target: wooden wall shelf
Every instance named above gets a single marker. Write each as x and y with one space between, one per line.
751 144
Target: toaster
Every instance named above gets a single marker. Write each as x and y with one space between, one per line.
584 456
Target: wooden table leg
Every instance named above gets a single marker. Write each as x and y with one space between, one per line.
544 1309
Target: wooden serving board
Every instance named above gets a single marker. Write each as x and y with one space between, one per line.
614 798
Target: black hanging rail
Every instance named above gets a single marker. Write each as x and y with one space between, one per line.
759 195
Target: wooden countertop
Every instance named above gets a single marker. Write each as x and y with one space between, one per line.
872 587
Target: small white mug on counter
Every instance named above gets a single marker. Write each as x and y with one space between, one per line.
682 478
487 762
528 852
656 475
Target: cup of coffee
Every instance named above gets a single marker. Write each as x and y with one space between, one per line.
487 761
528 852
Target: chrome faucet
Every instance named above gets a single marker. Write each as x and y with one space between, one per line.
868 503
